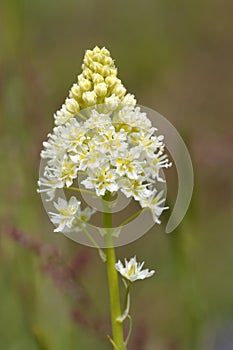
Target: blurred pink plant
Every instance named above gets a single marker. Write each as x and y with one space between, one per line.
67 278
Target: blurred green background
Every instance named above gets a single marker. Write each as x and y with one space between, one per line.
176 57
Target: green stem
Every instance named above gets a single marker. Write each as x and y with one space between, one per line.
91 239
126 297
130 329
117 327
81 116
128 220
81 190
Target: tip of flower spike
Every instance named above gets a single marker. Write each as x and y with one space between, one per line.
97 84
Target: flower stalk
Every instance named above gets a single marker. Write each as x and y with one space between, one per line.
115 306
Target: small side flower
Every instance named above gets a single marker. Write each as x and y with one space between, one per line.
132 271
69 215
155 204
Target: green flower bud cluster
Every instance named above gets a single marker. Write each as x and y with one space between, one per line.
97 84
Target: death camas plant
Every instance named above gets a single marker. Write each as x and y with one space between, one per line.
103 136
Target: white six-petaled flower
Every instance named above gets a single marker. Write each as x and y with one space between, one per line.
69 215
132 271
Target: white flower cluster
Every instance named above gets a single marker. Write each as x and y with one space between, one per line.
117 151
114 145
132 271
97 84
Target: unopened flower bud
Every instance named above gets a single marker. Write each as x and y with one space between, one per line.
96 67
107 61
113 71
75 92
101 89
72 105
105 52
97 78
85 84
89 98
87 73
119 90
89 53
105 71
96 50
111 80
98 57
